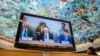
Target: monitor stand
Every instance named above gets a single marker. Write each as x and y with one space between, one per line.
45 53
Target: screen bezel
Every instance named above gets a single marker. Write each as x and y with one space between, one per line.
28 46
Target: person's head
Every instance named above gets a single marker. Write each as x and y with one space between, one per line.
66 32
42 24
26 25
63 25
46 30
91 51
24 19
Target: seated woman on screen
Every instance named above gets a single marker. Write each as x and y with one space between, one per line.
40 29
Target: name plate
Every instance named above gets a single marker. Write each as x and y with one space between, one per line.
50 41
26 38
65 42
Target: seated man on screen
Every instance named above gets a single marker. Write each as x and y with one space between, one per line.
65 38
46 36
63 26
27 33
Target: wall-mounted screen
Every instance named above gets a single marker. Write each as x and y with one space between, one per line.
44 33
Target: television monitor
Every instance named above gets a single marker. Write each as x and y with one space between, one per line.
43 33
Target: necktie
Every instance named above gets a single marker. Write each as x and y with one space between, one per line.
24 33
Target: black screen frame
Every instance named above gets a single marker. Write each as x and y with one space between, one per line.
32 47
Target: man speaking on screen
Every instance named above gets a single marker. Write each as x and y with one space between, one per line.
65 38
46 36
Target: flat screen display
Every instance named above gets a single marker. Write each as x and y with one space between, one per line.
44 33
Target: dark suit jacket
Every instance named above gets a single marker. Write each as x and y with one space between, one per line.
29 32
38 29
42 36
